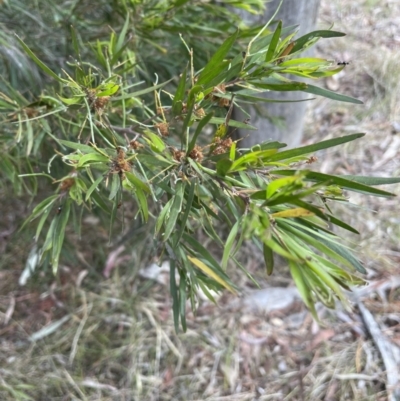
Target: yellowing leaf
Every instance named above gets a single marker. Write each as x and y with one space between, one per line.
92 158
156 143
108 89
221 131
297 212
70 101
204 268
275 185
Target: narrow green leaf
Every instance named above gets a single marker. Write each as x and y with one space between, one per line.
136 182
179 3
346 254
188 206
223 166
301 285
196 93
107 89
93 187
77 146
310 239
323 275
276 245
91 158
155 142
195 246
229 244
199 129
177 103
315 90
255 158
305 62
182 300
274 42
372 180
280 87
154 160
142 200
122 35
267 145
188 119
59 234
115 186
40 208
163 215
70 101
117 55
287 154
279 183
75 42
213 66
117 196
98 201
338 180
228 72
334 220
98 51
232 123
39 63
175 210
254 99
268 259
300 42
232 151
142 92
174 293
206 291
48 243
42 220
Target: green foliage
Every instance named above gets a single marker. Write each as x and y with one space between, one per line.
97 134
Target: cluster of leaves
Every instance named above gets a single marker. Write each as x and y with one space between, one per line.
151 42
103 143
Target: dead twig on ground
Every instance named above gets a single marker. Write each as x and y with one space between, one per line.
390 353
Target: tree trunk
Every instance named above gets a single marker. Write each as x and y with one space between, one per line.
279 121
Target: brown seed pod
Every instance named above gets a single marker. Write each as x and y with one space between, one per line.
120 165
178 155
222 102
161 110
67 184
91 95
100 103
221 145
96 103
312 159
133 144
196 154
221 88
200 112
163 127
31 112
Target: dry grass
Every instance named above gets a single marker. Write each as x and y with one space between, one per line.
115 339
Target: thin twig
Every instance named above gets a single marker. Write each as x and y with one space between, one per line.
125 130
390 353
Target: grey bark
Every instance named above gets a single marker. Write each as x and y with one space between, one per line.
280 121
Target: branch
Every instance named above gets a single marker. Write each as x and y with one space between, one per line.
390 353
